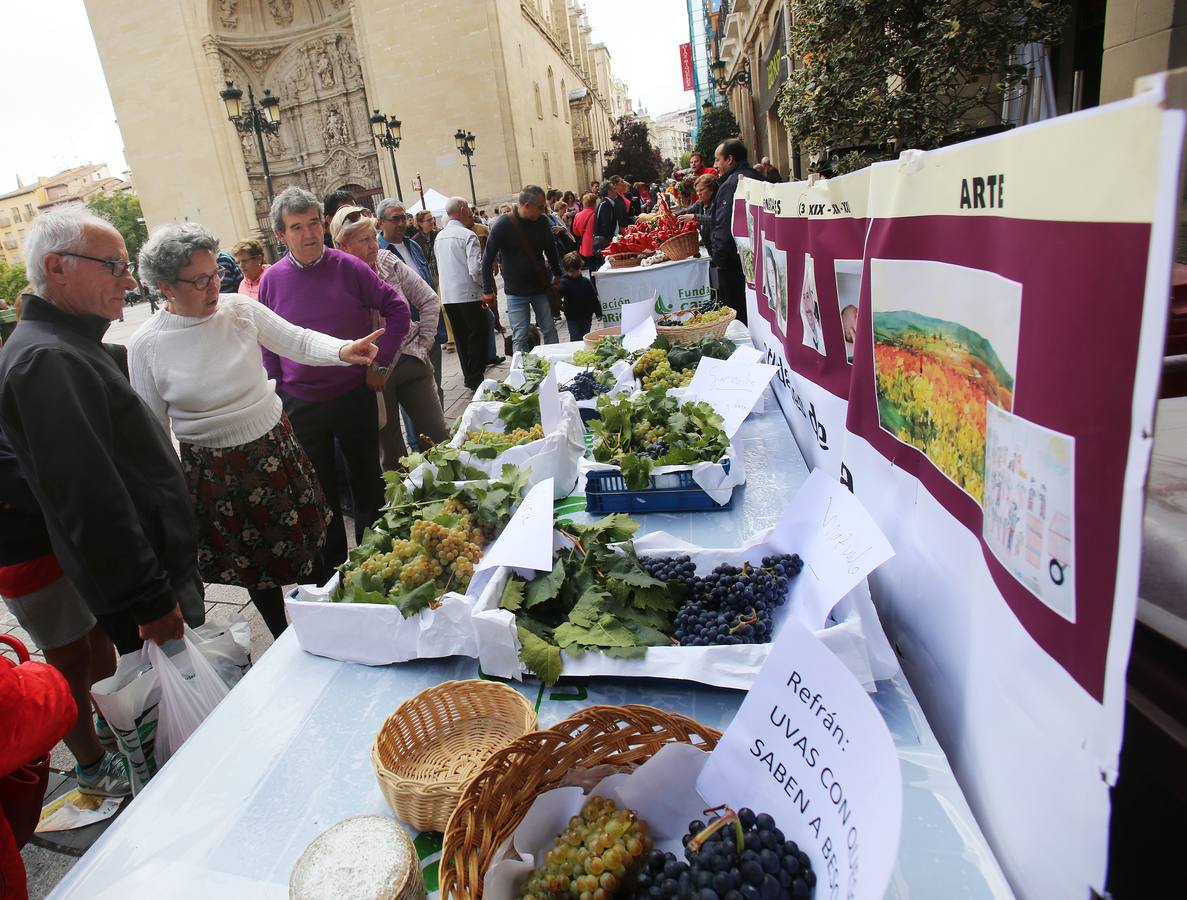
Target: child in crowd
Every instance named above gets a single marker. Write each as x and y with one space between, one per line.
580 298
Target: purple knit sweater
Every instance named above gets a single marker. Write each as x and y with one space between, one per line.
335 296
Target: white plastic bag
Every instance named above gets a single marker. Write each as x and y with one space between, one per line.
186 699
128 701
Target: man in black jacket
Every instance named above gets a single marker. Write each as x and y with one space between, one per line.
732 163
530 265
605 223
105 474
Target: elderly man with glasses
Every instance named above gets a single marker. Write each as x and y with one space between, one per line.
332 292
103 470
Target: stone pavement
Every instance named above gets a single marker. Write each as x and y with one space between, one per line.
223 603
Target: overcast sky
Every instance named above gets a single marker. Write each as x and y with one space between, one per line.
62 114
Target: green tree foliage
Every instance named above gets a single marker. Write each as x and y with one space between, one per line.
12 281
634 158
122 211
905 73
716 125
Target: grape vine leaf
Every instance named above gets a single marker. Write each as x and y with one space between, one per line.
541 658
354 593
606 631
512 598
545 586
414 601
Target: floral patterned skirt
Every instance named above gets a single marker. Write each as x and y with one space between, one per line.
261 513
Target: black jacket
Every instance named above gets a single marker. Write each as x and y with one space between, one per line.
23 535
104 472
528 253
605 222
722 249
580 297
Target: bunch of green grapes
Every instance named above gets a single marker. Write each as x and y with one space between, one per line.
664 376
585 358
644 433
649 361
596 856
708 316
504 441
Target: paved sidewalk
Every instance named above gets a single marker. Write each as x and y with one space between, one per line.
223 603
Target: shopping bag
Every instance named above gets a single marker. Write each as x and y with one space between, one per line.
190 689
129 699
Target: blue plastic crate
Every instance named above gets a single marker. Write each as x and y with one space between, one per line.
606 492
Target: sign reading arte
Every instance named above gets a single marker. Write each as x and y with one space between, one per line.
672 286
959 394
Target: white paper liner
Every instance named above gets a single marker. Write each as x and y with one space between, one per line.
376 634
662 792
556 456
854 632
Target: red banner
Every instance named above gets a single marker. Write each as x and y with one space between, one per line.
686 65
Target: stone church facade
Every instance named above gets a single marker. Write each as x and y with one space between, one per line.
522 75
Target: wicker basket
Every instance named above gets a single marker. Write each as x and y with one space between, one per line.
497 798
624 260
429 747
687 334
683 246
591 338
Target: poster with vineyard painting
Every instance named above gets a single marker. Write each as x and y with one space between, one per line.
945 348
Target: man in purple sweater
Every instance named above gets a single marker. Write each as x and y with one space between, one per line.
335 293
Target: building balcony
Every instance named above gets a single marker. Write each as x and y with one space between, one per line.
10 243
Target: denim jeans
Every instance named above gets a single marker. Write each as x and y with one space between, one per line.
519 311
579 326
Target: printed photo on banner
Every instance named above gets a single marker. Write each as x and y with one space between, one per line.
746 254
1029 506
774 282
848 275
945 347
810 308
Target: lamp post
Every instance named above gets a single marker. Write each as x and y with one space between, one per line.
724 84
386 130
262 118
465 146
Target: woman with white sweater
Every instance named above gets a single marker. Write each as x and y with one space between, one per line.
196 363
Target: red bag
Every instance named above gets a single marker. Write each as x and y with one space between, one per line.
22 789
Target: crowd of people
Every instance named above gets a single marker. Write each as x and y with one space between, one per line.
288 387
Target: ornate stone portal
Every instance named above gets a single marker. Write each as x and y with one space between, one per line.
305 52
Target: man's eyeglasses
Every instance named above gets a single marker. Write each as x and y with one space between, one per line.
118 267
202 282
391 220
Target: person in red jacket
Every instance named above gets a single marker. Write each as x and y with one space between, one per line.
36 711
583 230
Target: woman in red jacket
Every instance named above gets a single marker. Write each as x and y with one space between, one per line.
583 230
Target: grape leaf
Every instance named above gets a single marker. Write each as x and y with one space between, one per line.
414 601
541 658
355 593
624 652
512 598
545 586
607 631
609 530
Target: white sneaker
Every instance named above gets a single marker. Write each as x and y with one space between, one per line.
105 779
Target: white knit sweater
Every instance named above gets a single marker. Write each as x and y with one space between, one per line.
206 373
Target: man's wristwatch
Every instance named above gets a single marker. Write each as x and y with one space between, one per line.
381 371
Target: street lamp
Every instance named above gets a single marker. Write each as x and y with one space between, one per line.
706 107
465 146
386 130
723 84
262 118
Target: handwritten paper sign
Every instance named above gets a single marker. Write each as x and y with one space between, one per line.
635 313
640 337
526 542
810 748
550 402
838 541
730 388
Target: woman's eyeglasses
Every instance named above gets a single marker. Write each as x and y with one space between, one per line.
202 282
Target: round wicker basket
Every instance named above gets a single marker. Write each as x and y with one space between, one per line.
624 260
687 334
591 338
431 745
495 801
683 246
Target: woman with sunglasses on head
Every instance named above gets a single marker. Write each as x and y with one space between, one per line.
197 363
